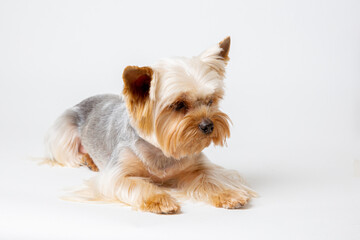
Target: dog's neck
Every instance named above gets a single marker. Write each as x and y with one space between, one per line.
157 163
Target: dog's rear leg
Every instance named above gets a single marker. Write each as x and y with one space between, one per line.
86 160
64 144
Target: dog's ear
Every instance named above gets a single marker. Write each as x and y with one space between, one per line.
225 48
217 56
137 82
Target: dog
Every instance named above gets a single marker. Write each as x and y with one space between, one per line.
147 143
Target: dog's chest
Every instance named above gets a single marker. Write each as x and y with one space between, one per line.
157 163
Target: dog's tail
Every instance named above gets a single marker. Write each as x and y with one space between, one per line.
63 141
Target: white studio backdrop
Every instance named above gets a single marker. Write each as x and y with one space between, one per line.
292 92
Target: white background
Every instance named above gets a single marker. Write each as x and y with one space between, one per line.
292 91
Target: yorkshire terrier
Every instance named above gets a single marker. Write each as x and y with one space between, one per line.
147 143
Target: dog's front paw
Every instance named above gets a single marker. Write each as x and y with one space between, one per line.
230 199
160 204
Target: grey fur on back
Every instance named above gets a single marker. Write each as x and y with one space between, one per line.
101 124
104 127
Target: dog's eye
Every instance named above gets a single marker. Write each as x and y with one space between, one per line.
179 106
210 102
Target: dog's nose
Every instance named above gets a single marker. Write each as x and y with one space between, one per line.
206 126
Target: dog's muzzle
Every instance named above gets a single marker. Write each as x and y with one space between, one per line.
206 126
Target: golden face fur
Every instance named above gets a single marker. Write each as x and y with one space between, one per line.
175 103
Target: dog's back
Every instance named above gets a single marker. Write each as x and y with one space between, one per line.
98 126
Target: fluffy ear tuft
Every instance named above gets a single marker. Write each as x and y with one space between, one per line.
217 56
225 46
137 82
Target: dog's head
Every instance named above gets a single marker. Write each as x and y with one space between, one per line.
175 103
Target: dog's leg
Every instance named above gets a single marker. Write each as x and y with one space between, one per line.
128 181
210 183
86 160
63 141
145 196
